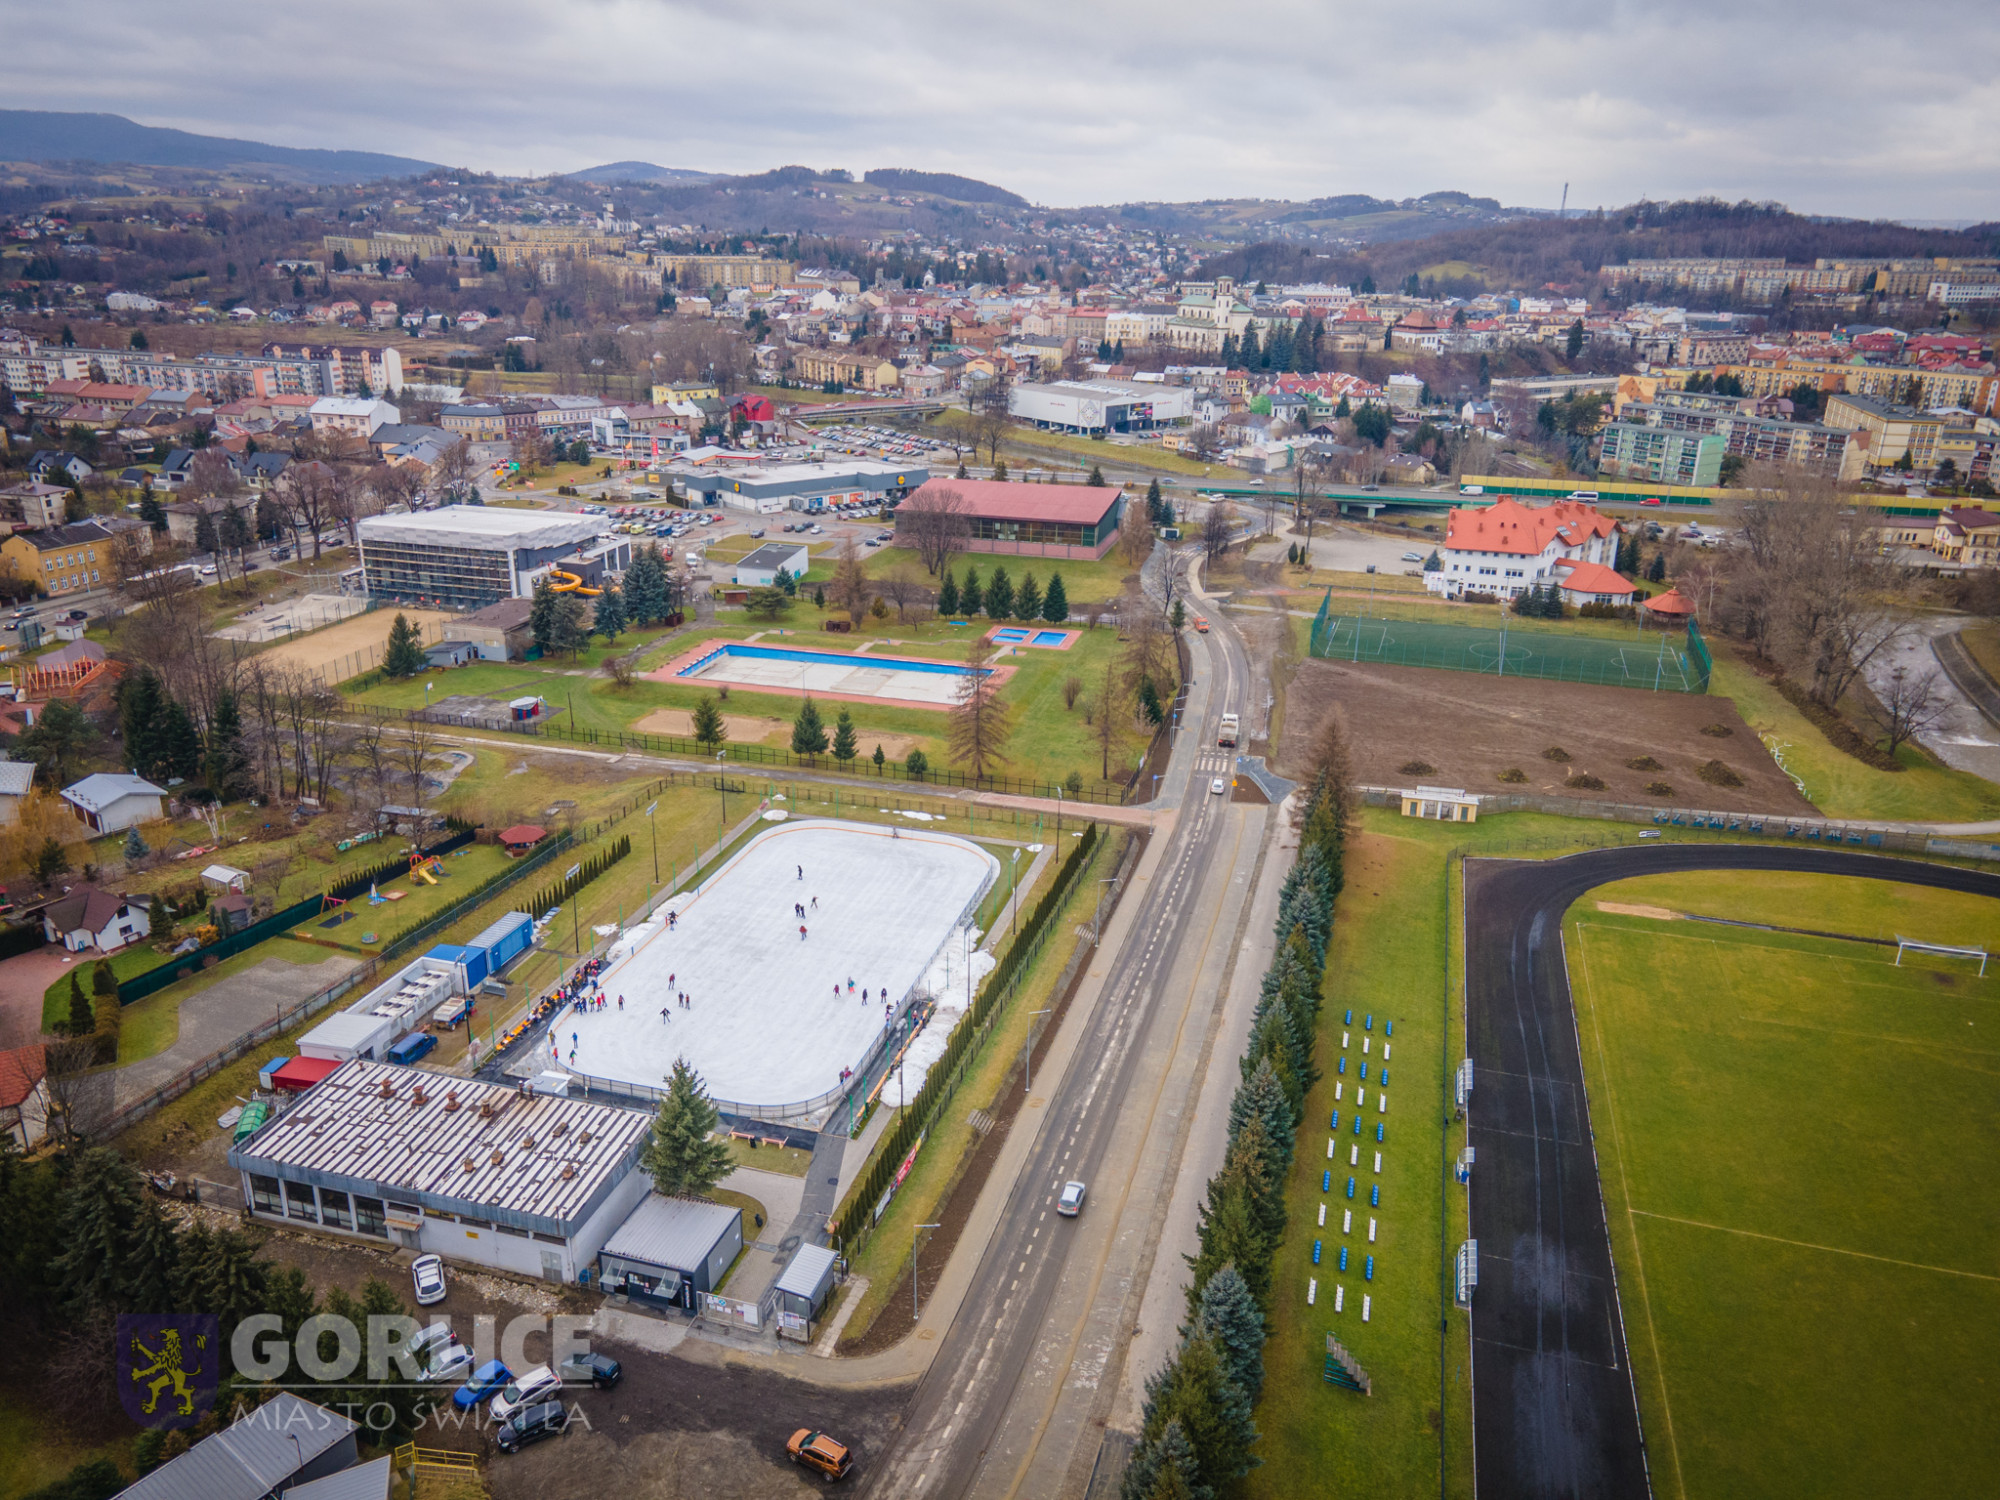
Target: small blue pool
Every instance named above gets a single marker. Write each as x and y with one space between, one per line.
1014 637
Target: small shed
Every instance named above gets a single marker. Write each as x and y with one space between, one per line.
297 1074
231 912
1449 804
670 1250
522 837
451 653
228 877
803 1289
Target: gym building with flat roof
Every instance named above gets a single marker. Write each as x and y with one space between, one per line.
469 556
1028 520
524 1182
1095 406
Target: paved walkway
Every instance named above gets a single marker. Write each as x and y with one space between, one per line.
769 1248
23 980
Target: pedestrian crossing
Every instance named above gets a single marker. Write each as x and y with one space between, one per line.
1215 760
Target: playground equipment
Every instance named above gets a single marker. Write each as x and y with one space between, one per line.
561 582
425 867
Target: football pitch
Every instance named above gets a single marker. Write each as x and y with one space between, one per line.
1800 1158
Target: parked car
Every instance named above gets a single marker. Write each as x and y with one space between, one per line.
1415 557
407 1051
427 1341
525 1390
78 614
1070 1204
816 1450
488 1380
531 1424
452 1362
427 1271
601 1370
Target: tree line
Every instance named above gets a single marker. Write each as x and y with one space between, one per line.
1197 1436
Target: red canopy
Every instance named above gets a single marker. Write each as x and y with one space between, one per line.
1672 602
301 1073
521 834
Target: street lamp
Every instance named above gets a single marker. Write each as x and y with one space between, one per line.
654 827
1028 1053
913 1266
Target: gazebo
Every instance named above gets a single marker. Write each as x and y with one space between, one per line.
522 837
1671 608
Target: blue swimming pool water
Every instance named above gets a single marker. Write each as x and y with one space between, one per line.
1010 637
784 653
1051 637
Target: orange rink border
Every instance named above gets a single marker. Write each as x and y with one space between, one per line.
667 674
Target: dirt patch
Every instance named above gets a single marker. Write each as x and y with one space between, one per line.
746 730
1620 909
359 640
1472 728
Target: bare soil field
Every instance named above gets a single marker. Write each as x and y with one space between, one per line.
1470 728
353 646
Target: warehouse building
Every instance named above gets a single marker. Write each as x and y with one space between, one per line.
529 1183
671 1250
807 487
1097 406
1027 520
469 556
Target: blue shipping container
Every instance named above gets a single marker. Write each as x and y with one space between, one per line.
470 960
506 940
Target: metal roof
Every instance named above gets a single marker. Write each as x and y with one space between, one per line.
16 777
675 1233
809 1266
774 555
362 1482
481 528
97 792
532 1160
249 1458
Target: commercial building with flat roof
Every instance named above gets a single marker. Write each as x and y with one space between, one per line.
672 1249
523 1182
1029 520
1101 405
768 489
468 556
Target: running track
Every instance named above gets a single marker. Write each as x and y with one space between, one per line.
1555 1413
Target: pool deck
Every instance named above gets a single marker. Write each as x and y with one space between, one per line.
861 665
1029 632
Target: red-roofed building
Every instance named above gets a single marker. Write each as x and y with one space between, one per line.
1591 583
24 1096
1029 520
1507 548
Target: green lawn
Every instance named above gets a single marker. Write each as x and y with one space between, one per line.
1084 452
1836 783
1797 1146
1083 581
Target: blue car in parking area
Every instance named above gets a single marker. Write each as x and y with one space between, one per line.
490 1379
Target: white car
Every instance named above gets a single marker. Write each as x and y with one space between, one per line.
1217 787
1070 1204
427 1271
453 1362
530 1386
427 1341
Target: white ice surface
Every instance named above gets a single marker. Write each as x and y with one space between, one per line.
946 981
765 1027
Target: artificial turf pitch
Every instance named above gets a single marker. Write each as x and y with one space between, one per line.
1800 1160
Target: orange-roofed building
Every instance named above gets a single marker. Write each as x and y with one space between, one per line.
1507 548
1672 605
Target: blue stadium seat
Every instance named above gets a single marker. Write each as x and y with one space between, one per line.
1315 1252
1350 1187
1326 1182
1378 1132
1368 1268
1374 1193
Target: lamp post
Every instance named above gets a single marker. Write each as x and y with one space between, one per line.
1028 1054
913 1266
654 828
1013 882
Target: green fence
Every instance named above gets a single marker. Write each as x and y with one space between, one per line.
1655 663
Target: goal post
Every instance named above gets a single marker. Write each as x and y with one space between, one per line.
1943 950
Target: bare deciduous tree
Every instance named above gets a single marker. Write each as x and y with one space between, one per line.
306 497
903 588
850 586
980 722
1908 704
934 521
1104 720
417 753
1218 527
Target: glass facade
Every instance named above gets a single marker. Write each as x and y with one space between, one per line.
1057 533
457 576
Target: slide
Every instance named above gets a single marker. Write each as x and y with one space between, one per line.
564 583
423 874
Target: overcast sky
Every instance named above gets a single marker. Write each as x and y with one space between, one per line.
1832 107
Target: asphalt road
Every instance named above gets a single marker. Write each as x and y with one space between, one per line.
1010 1406
1555 1411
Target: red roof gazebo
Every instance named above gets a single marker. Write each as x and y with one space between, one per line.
522 836
1672 605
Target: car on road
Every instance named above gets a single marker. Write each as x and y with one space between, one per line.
427 1271
531 1424
1652 500
488 1380
1416 557
1649 833
452 1362
77 614
815 1450
601 1370
207 570
1216 787
1070 1203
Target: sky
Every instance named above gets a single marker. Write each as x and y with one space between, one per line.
1837 107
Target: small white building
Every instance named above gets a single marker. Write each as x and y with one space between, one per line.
86 918
359 415
17 779
760 567
24 1096
110 801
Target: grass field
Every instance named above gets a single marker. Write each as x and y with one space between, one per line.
1797 1145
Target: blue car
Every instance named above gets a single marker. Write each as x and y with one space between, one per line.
488 1380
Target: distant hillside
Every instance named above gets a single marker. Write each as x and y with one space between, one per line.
51 136
1346 220
640 171
944 185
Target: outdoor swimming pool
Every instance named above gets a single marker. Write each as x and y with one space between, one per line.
1054 640
832 674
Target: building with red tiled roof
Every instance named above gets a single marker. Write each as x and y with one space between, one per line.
24 1096
1507 548
1030 520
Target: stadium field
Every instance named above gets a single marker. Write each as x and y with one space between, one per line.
1800 1160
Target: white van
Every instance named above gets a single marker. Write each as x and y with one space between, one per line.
539 1384
1472 489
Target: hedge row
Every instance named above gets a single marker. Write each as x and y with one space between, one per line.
587 871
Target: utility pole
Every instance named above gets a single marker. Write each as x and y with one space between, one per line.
1028 1053
913 1266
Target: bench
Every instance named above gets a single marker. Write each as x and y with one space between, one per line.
744 1135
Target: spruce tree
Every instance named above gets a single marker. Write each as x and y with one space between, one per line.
403 656
1096 478
1000 468
609 620
1213 1409
646 592
570 629
947 599
1229 1314
1153 502
880 760
808 731
180 745
844 748
152 1264
82 1019
1055 603
1260 1098
139 703
970 599
1028 600
136 848
1000 596
1178 1475
1656 571
228 761
100 1210
709 730
683 1157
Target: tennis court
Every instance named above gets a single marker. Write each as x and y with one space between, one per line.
1656 663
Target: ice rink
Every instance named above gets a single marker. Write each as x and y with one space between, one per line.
765 1026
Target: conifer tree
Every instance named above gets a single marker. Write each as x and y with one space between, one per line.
82 1019
1055 603
100 1209
1000 596
136 847
844 748
646 592
971 600
709 730
808 730
610 620
228 761
180 744
947 600
880 760
403 656
139 723
683 1156
1229 1314
1153 502
1028 599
